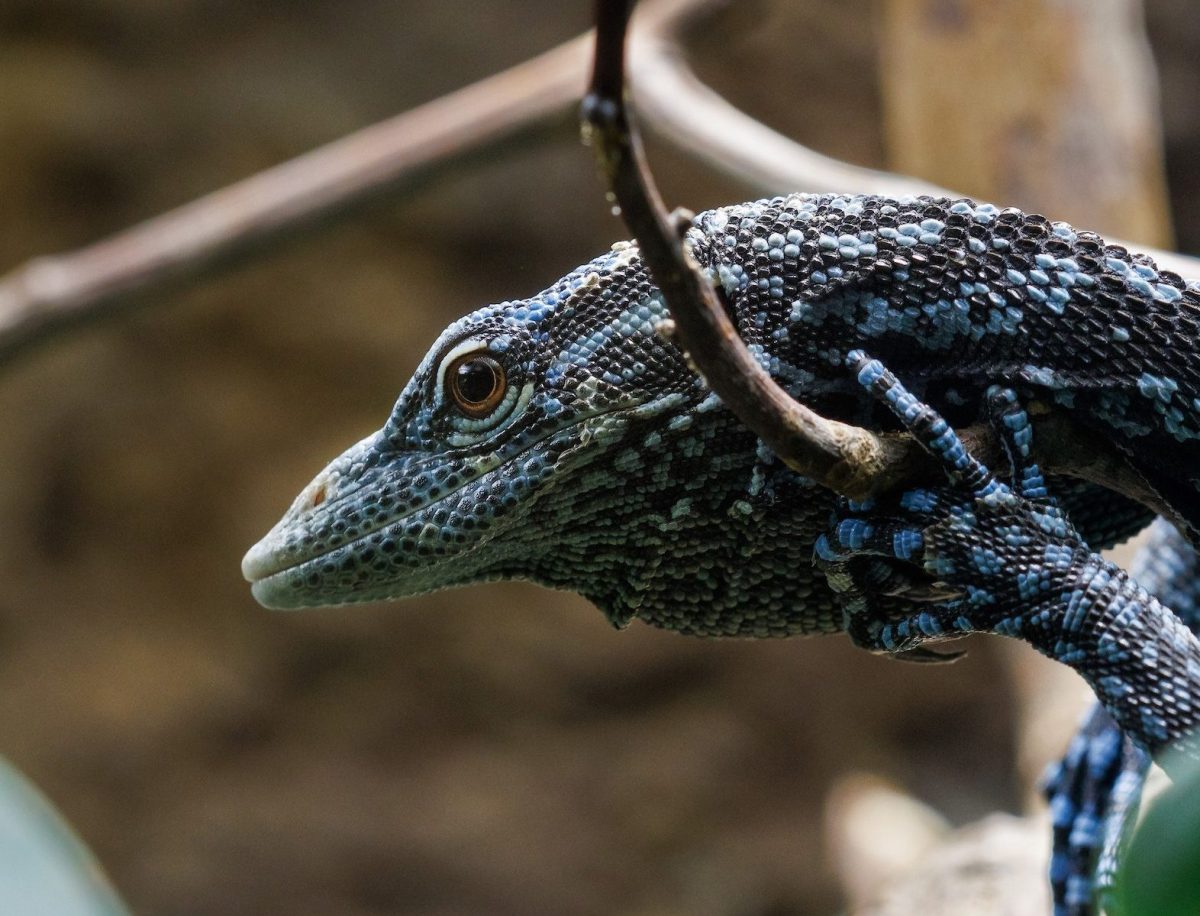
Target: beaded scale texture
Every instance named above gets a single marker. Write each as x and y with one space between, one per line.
564 440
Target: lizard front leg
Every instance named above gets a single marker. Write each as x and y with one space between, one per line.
1095 790
1017 568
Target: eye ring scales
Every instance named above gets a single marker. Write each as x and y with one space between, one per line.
476 384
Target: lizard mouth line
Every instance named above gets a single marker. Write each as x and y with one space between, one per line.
262 561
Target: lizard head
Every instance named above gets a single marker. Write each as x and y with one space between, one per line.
561 439
490 464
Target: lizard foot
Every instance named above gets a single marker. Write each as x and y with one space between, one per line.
1022 570
942 548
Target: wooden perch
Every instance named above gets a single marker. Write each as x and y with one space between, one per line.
842 457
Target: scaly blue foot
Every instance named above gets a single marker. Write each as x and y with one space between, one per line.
985 555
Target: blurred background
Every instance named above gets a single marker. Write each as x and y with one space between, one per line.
498 749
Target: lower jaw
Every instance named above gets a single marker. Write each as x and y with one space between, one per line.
271 593
287 591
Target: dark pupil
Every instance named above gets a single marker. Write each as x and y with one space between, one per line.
476 381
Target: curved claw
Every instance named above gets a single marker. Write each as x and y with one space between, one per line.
923 656
923 591
869 635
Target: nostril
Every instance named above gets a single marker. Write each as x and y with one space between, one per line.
318 496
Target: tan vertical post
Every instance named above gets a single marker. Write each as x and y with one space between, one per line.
1050 105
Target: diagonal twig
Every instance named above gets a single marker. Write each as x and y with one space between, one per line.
679 107
845 458
52 293
842 457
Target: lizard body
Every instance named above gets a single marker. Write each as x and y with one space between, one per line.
609 469
563 439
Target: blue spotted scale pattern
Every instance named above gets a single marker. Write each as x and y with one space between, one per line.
609 469
1095 790
612 471
1006 560
1012 564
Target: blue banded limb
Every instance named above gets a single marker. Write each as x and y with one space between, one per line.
1016 567
1020 569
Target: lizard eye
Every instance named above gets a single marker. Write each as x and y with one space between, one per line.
476 384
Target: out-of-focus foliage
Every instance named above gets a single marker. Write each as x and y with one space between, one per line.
44 869
1161 876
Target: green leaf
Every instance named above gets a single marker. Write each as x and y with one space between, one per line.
45 870
1161 873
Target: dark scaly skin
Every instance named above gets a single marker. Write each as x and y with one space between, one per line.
1015 566
1095 790
610 470
637 489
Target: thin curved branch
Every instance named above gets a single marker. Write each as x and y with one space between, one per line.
845 458
680 108
52 293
